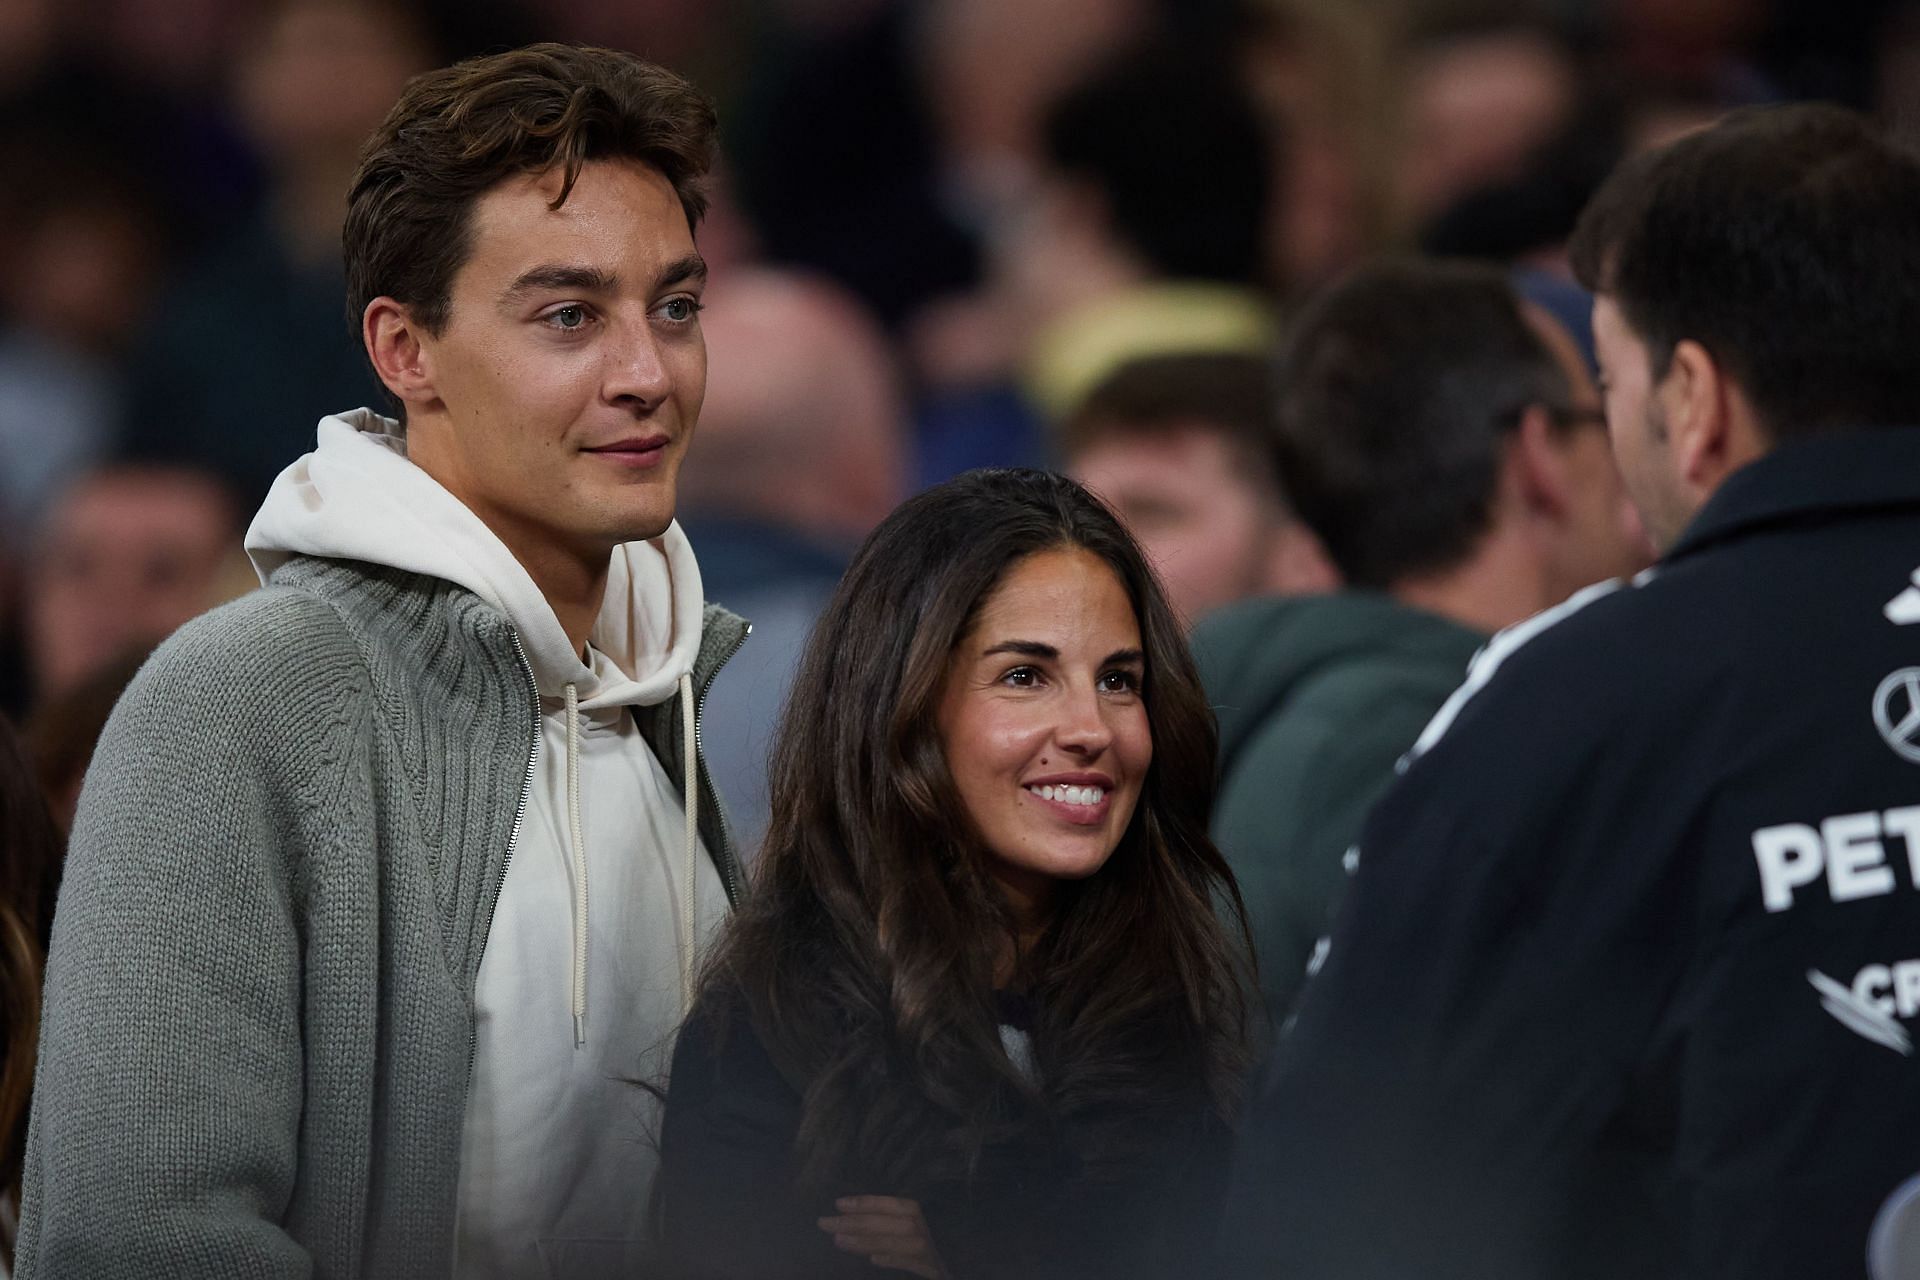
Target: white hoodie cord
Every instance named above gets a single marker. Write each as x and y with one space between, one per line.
579 849
689 747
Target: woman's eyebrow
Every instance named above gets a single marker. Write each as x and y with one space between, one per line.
1124 657
1025 648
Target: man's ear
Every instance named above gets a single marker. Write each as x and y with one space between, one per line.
1537 457
397 346
1705 431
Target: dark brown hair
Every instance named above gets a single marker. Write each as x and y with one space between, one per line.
1399 390
458 132
1226 391
1786 241
866 952
31 851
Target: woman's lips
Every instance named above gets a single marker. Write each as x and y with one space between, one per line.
1079 815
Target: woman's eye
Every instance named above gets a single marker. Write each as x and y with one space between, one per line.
1120 682
1021 677
679 310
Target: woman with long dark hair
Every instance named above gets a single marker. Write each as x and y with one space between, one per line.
980 1015
31 850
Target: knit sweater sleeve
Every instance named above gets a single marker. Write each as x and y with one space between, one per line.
166 1122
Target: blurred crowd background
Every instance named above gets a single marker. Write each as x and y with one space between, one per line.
940 226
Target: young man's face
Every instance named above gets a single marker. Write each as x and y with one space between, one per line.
569 373
1185 497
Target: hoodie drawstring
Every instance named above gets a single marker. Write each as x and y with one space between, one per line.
579 850
689 908
689 750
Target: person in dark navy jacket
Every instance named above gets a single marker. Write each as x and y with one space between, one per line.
1627 982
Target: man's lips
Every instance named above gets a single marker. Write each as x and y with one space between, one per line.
634 451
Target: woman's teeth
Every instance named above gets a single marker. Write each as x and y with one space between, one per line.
1071 795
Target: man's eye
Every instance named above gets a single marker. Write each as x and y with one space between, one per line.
679 310
567 317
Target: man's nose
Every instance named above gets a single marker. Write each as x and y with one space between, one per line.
636 374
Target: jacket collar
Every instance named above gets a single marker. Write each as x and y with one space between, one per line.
1846 471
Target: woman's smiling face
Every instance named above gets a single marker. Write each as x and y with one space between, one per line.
1044 723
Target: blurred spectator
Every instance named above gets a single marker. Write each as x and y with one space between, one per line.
126 554
1182 448
1325 75
993 70
800 452
63 730
1562 1027
835 154
86 250
1487 85
30 855
1449 448
1145 233
251 346
85 79
1525 215
1158 184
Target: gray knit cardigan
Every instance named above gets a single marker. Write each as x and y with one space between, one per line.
258 1027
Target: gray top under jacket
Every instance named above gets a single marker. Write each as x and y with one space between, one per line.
258 1028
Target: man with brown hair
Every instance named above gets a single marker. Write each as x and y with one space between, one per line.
328 992
1183 447
1625 981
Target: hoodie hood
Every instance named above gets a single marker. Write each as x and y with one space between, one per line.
1255 656
358 497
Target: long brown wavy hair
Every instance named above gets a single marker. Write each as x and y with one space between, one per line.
31 850
866 951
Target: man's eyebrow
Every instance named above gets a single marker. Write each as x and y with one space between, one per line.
682 271
557 277
1024 648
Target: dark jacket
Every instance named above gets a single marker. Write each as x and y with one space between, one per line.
1318 697
1626 980
731 1209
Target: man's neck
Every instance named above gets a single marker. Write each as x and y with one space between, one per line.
572 578
1501 583
575 586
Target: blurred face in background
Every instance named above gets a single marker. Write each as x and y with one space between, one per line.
1213 533
123 559
1604 537
321 74
1477 108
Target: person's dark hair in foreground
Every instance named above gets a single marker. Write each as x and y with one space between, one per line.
983 973
30 851
1626 980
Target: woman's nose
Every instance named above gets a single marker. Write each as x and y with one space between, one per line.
1082 727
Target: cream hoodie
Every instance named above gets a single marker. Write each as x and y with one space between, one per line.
558 1151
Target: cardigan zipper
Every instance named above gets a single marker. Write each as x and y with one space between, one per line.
513 837
730 857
